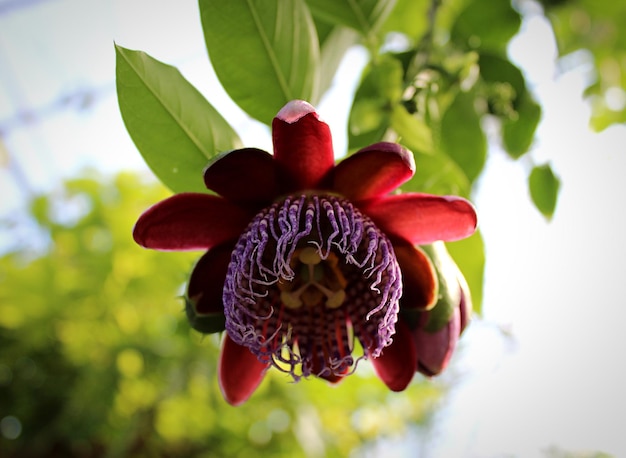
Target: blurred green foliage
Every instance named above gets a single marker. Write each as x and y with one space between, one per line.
594 28
97 358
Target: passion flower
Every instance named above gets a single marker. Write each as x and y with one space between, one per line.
306 258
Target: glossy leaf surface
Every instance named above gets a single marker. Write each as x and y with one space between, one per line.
174 127
462 137
264 53
364 16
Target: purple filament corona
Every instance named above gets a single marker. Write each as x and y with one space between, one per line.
309 275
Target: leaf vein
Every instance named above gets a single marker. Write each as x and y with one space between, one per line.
360 16
177 119
270 51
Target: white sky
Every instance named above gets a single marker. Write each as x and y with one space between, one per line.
556 287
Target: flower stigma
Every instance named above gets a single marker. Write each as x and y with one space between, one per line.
318 279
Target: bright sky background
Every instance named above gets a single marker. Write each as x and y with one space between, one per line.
554 378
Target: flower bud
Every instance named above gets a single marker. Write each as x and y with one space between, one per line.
438 330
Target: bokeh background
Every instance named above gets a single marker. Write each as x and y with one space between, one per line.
96 358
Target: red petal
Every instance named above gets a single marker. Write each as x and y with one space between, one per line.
435 349
398 362
190 221
422 218
303 148
245 175
419 278
373 171
332 379
206 283
239 372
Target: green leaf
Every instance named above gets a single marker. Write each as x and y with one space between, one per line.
494 68
462 137
486 24
498 70
413 132
364 16
380 89
437 174
469 254
544 189
333 47
264 53
518 133
173 126
408 17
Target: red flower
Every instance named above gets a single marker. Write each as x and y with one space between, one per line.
306 257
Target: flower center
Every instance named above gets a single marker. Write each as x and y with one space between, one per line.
310 275
319 281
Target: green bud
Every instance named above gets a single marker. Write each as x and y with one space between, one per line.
450 292
208 323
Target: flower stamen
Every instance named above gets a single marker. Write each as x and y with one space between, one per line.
322 276
319 277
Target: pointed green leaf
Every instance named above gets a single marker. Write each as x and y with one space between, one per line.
264 53
462 136
365 16
173 126
544 189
